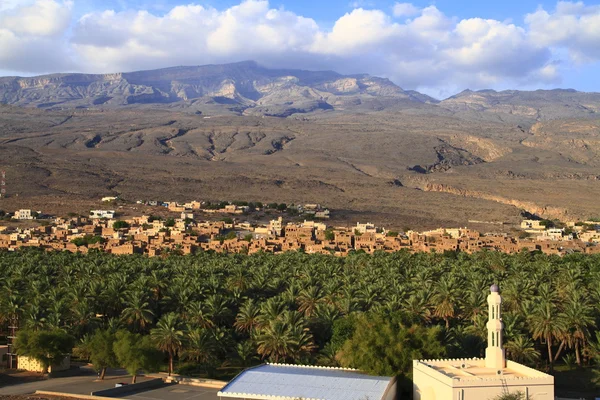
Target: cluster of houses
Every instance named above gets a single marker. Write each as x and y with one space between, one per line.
314 210
186 234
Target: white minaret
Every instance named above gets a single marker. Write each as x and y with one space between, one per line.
494 354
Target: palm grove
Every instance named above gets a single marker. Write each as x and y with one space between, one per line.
208 313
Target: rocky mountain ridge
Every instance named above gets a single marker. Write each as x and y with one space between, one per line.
238 87
538 104
246 88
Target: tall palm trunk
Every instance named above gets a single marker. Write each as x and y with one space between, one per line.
577 356
170 362
551 361
560 349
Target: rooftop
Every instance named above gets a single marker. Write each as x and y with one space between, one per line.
282 381
473 369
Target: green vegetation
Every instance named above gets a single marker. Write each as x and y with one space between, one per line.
386 347
99 349
213 312
136 352
87 239
120 225
46 346
512 396
170 222
230 235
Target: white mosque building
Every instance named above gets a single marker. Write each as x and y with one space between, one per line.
481 379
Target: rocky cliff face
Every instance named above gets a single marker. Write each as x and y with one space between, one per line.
533 208
244 85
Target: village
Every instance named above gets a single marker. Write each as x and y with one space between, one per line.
185 233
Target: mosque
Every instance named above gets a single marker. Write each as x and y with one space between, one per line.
481 379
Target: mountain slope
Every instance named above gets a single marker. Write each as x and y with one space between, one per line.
237 87
538 104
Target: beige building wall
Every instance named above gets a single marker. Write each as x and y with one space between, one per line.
430 384
31 364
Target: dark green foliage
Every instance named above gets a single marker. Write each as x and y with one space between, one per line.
101 350
87 239
386 347
343 329
329 235
170 222
46 346
120 225
135 352
298 307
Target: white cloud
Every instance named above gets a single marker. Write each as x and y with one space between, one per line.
404 10
30 36
430 50
43 18
573 26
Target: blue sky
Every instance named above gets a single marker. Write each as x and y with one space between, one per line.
328 11
438 47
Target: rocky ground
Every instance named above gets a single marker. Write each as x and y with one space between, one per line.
418 166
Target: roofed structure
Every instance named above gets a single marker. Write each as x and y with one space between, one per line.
283 381
481 379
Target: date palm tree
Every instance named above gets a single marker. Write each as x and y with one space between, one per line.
445 300
169 336
199 346
275 341
248 317
137 313
547 325
578 317
522 350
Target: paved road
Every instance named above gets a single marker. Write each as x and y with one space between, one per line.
71 384
176 392
88 383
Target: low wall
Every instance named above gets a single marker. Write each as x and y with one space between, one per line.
209 383
134 387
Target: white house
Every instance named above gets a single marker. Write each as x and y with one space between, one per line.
23 215
97 214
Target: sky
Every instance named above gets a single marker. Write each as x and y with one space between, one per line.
438 47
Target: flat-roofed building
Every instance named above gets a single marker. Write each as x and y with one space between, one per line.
23 214
282 381
481 379
98 214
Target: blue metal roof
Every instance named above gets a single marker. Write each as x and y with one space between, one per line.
282 381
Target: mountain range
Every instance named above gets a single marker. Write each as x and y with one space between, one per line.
357 143
246 88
